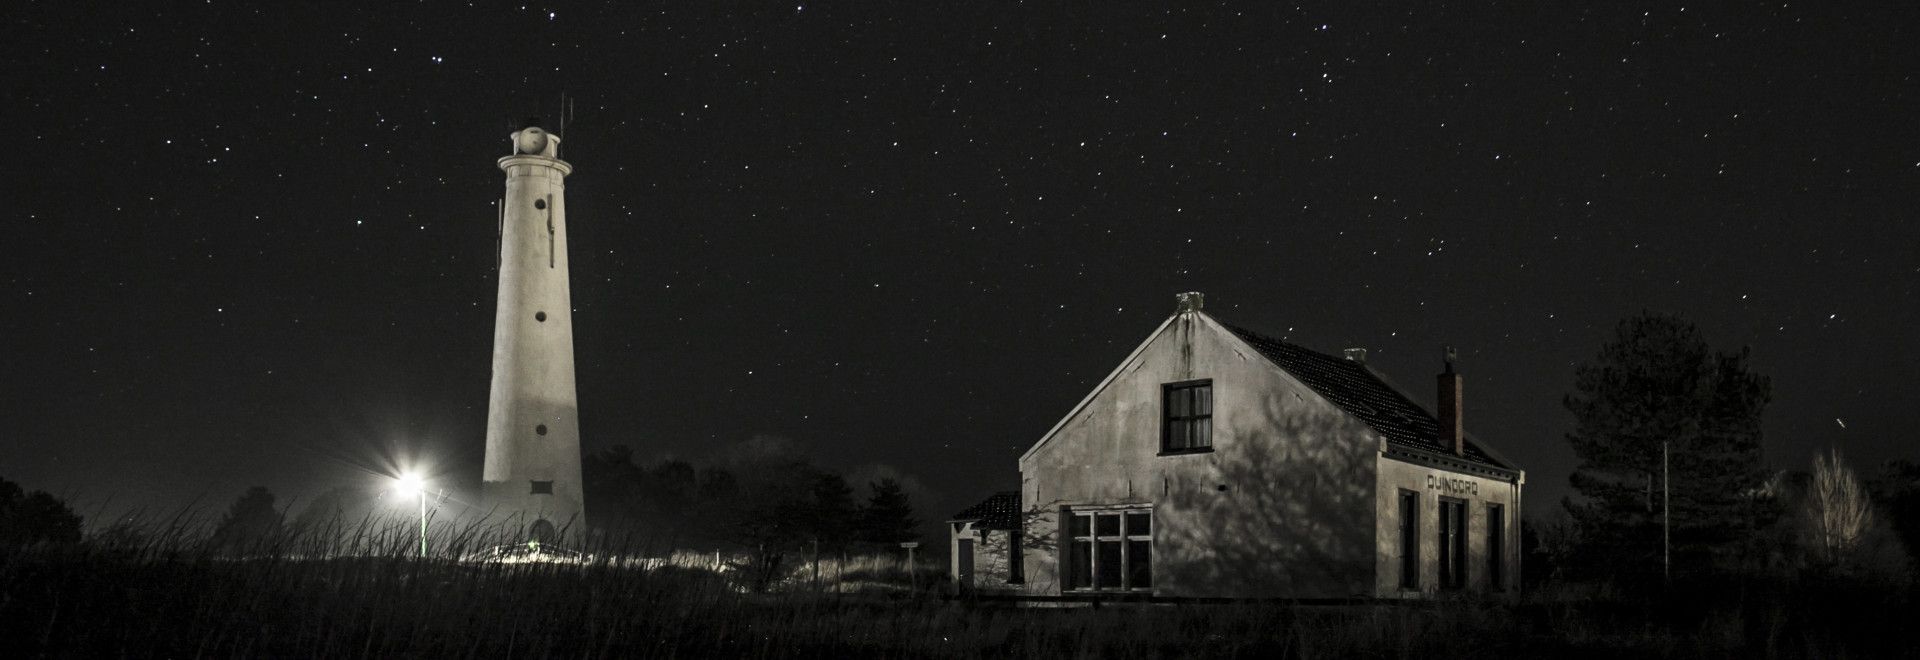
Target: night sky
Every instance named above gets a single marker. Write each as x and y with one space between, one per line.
253 243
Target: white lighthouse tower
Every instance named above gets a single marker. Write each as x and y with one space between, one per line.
532 476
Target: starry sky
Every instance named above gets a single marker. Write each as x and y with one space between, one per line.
253 243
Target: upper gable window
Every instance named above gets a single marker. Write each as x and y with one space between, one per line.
1187 411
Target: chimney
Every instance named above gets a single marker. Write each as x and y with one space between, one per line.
1190 301
1452 432
1357 355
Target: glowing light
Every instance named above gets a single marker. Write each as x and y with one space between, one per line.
409 484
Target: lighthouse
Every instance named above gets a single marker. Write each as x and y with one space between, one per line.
531 482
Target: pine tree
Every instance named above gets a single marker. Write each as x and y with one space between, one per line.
888 516
833 512
1659 383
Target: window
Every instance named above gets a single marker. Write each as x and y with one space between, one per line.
1496 546
542 488
1453 543
1111 550
1188 413
1409 540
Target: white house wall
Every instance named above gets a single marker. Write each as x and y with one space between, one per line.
1283 506
1432 483
991 565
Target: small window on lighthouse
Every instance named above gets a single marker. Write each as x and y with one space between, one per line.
542 488
540 429
540 204
540 316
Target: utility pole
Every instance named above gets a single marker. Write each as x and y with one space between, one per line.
423 523
1666 519
911 575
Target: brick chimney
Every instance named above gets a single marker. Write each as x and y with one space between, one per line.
1357 355
1452 432
1190 301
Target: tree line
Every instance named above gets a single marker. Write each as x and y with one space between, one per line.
1672 482
771 506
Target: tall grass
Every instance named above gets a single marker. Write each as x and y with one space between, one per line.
357 591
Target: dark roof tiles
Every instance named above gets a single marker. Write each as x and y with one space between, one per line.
1359 391
1000 511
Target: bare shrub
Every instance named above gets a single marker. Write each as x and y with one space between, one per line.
1837 514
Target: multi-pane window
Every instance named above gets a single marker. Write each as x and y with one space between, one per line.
1188 422
1496 546
1109 550
1409 540
1453 543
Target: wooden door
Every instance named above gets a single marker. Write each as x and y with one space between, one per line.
966 563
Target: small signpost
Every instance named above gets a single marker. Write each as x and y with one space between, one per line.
912 577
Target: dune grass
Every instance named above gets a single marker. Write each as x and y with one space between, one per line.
358 592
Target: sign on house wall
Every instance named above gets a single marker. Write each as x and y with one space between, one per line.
1452 485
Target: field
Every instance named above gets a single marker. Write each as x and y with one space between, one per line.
100 600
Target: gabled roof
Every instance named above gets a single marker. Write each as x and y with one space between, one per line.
999 511
1362 393
1097 389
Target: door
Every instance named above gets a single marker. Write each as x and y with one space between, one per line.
966 563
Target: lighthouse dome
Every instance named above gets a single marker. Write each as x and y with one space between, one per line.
530 140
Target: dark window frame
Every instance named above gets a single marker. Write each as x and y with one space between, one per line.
1076 578
1168 419
1409 503
1452 558
541 487
1496 546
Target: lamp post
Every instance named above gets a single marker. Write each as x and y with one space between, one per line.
412 484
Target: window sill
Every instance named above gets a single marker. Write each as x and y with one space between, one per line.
1183 452
1097 592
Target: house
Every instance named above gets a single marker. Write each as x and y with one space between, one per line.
984 541
1219 462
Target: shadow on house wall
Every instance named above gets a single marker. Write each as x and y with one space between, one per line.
1284 509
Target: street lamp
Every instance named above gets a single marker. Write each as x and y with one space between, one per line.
411 484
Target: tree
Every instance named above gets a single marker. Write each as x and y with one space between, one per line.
771 515
612 485
36 517
251 521
670 491
336 520
832 517
1662 421
1896 493
888 516
1836 514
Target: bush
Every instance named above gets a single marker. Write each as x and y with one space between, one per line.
36 517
